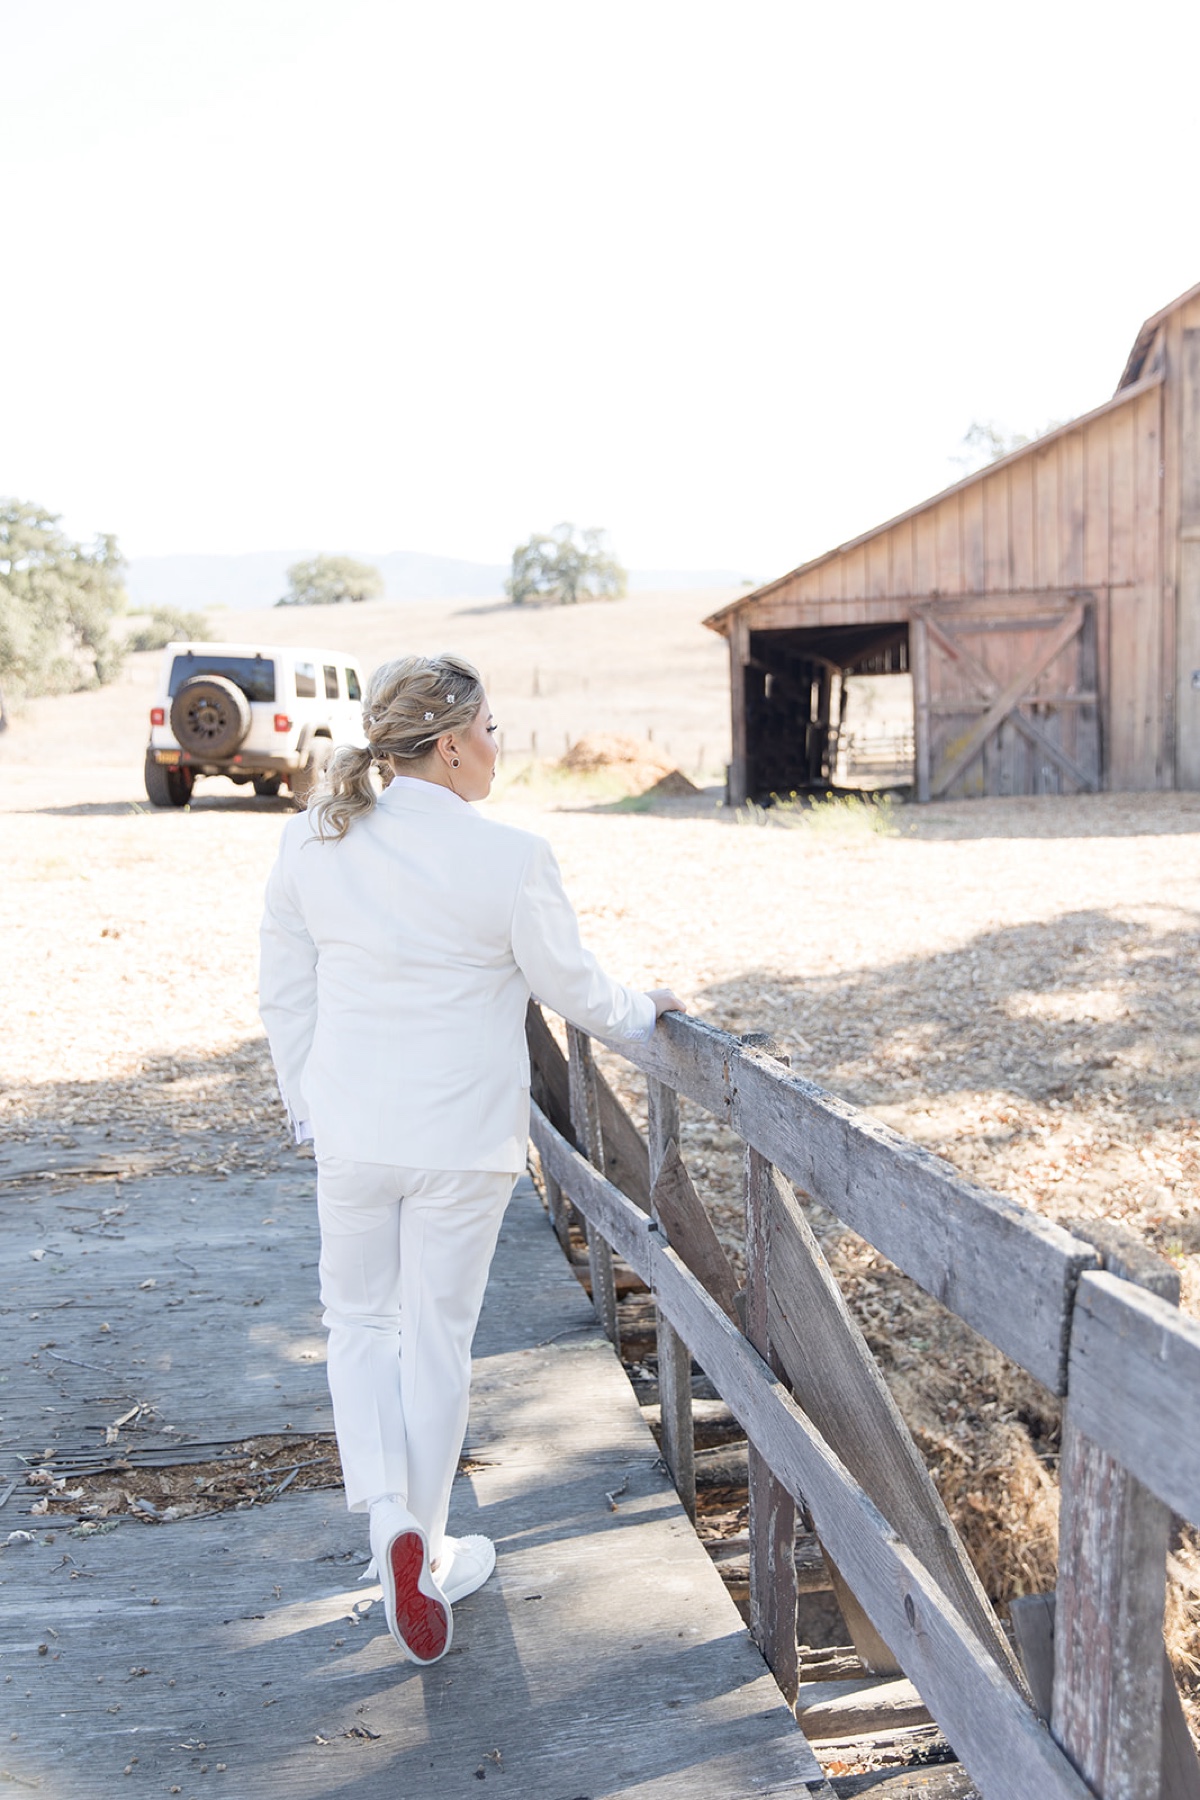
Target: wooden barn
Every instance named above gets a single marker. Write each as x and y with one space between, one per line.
1040 620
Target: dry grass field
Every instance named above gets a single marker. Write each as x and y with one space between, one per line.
1011 983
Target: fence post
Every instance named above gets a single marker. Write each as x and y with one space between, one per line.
1107 1708
559 1207
585 1121
674 1357
772 1509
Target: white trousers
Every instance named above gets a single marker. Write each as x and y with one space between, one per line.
405 1255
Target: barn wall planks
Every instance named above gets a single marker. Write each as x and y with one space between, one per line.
1134 709
1187 731
1047 552
1073 508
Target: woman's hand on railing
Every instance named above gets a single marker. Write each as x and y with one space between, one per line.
665 1001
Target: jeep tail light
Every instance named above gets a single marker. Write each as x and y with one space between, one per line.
158 715
282 722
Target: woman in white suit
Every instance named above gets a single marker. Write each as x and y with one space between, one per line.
402 938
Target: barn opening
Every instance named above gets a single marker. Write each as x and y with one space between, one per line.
829 708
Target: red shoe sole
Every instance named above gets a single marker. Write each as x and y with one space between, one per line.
422 1621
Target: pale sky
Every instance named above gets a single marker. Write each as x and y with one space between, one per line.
730 280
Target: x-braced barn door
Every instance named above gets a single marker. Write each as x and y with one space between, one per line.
1005 692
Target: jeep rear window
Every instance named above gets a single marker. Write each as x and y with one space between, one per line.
306 682
255 675
353 691
331 686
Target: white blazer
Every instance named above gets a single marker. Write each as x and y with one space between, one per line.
396 967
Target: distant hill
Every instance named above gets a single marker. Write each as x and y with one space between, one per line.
243 583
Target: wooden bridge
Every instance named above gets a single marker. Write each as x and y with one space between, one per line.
157 1309
1081 1700
158 1312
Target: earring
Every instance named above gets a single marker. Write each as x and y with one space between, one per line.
454 762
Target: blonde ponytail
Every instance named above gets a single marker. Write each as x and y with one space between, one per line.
409 705
349 793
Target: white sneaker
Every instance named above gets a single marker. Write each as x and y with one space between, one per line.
464 1565
417 1609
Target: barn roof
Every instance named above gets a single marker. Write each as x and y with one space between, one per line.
1134 381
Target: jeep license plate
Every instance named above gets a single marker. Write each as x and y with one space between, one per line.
167 756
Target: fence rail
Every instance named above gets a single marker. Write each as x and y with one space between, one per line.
1090 1708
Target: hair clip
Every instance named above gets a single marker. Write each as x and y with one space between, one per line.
450 699
428 716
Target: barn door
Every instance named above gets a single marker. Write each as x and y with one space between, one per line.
1006 698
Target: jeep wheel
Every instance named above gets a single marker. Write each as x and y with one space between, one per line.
167 786
303 782
266 785
210 716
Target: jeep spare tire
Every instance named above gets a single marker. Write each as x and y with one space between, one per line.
210 716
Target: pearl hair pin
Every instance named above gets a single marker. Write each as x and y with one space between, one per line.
428 716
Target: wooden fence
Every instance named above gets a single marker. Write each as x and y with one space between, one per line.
1086 1703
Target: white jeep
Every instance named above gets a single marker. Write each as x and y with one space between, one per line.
251 712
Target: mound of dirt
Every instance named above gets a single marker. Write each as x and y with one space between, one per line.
672 785
635 764
606 750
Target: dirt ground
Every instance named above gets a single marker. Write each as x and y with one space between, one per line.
1011 983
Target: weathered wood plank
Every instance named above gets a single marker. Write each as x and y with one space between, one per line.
626 1158
1007 1272
251 1642
626 1162
1129 1257
1032 1617
1135 1386
994 1730
1184 511
688 1055
680 1212
624 1225
585 1118
837 1381
732 1557
836 1709
1033 1627
944 1781
1107 1705
1047 649
922 720
1047 518
550 1081
1095 506
1021 526
971 503
208 1287
948 526
1072 507
997 556
739 762
674 1358
900 560
1108 1692
550 1089
772 1532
